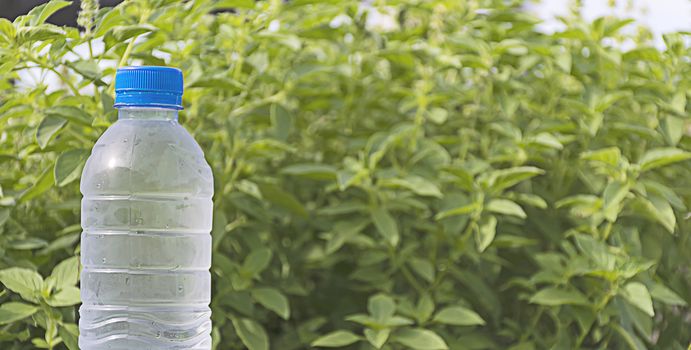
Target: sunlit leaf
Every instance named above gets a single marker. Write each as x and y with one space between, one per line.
22 281
336 339
47 130
251 333
554 296
273 300
660 157
15 311
69 165
420 339
487 229
386 225
458 316
637 294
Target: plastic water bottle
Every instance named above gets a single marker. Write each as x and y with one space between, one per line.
146 216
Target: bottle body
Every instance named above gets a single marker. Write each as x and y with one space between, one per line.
146 245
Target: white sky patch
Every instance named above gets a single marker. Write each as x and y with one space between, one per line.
340 20
381 19
661 16
274 26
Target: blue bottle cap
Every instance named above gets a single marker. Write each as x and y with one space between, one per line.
148 86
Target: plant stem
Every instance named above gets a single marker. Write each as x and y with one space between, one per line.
608 230
581 338
49 331
533 323
123 60
411 279
62 77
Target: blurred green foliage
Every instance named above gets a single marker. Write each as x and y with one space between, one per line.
402 175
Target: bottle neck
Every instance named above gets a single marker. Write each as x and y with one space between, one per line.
147 113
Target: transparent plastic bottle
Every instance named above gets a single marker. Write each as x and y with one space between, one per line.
146 219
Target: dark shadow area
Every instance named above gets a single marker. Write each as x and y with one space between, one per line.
10 9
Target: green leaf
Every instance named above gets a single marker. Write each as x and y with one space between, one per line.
4 215
311 171
662 293
66 273
438 115
597 251
377 337
386 225
666 192
122 33
630 339
218 82
27 244
290 41
259 60
423 268
282 122
502 179
673 129
546 140
487 229
581 205
365 320
273 300
7 29
108 21
44 182
46 32
658 209
660 157
458 316
251 333
71 113
342 232
281 198
15 311
416 184
336 339
610 156
70 335
88 69
63 242
529 199
232 4
41 13
22 281
463 178
422 186
257 261
48 127
66 296
420 339
637 294
466 209
381 307
69 165
40 343
346 178
425 308
614 193
506 207
553 296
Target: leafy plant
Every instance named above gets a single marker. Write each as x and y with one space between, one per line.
403 175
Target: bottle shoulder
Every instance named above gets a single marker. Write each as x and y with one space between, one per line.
147 156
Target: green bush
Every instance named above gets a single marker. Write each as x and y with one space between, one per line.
449 178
